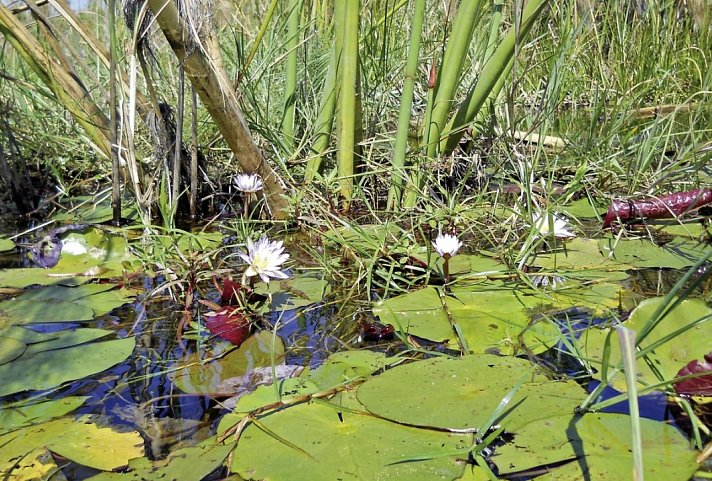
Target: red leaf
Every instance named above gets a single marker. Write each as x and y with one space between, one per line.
231 292
698 386
229 324
663 207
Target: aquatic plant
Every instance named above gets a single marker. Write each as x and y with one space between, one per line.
446 245
264 259
247 184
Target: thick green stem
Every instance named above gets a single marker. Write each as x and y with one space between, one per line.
455 54
347 100
398 173
491 79
327 107
290 86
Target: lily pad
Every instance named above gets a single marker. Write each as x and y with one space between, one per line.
194 462
35 465
462 393
326 444
6 244
583 209
45 369
78 440
10 348
59 303
492 315
294 293
670 356
597 447
25 413
198 375
578 254
642 253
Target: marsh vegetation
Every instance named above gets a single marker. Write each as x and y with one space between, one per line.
371 239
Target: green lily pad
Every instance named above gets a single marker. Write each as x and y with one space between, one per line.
10 348
670 357
692 230
195 462
597 447
462 393
51 368
473 266
6 244
419 313
59 303
313 442
642 253
578 254
294 293
198 375
78 440
583 209
25 413
492 315
348 366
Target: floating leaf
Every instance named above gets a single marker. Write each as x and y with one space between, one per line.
51 368
25 413
691 344
198 375
698 386
462 393
191 463
10 349
492 315
583 209
597 447
36 465
6 244
229 324
642 253
59 303
78 440
296 292
578 254
325 445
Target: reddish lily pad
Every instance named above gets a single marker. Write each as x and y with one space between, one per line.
698 386
229 324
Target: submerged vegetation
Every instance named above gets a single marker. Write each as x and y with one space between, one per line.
355 240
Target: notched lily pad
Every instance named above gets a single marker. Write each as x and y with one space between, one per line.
60 303
296 292
78 440
462 393
63 358
667 358
195 462
596 447
311 441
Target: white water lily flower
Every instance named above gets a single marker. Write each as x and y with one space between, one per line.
248 182
265 259
561 227
446 245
